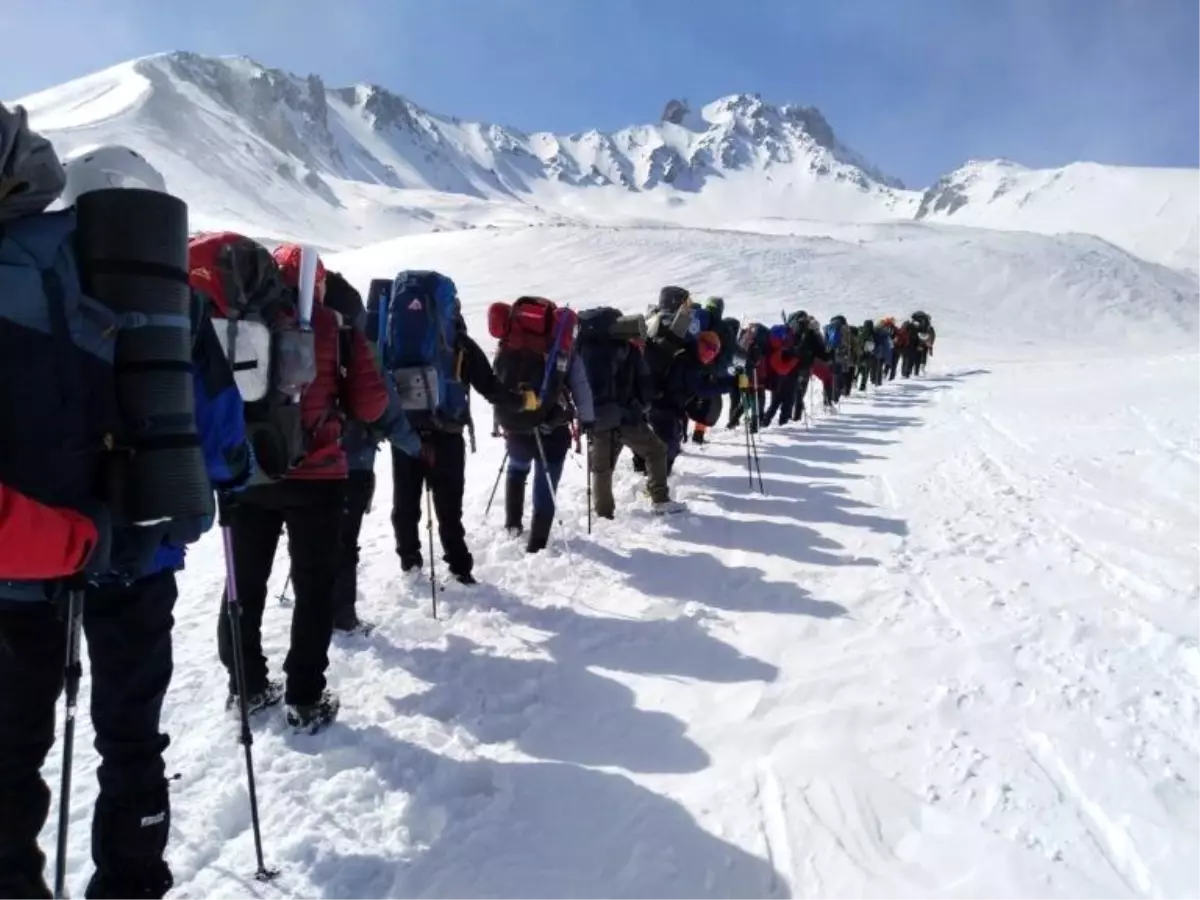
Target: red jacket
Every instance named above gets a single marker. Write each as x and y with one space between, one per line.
40 542
360 394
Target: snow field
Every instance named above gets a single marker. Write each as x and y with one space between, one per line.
952 651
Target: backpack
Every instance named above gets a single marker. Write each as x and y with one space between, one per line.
728 330
271 352
418 343
536 339
604 346
797 321
752 341
57 347
833 337
672 320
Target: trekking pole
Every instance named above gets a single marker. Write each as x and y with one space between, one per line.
432 563
234 610
589 482
283 598
496 486
537 437
754 440
73 673
749 464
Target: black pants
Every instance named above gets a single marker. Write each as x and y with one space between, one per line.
312 512
128 632
783 399
360 488
909 362
800 393
891 366
447 480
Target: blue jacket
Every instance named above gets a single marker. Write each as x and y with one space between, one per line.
220 422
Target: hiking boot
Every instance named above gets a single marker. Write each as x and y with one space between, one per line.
667 507
257 701
353 625
697 436
464 578
514 505
539 533
411 564
310 718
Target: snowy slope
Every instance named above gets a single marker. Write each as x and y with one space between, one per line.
275 154
951 652
1150 212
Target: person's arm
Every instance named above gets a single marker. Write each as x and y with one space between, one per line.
581 391
394 424
366 392
220 415
477 374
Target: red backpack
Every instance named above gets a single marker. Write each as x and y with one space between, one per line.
536 340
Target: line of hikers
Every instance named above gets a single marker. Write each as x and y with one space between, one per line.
160 382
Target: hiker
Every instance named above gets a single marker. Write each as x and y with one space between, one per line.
925 336
751 375
434 364
810 347
784 373
535 352
622 391
294 414
65 531
361 441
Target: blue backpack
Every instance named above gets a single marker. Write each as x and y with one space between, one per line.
833 336
418 338
58 398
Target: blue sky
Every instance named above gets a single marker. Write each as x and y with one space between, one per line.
916 86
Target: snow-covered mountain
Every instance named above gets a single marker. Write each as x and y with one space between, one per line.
1150 212
281 154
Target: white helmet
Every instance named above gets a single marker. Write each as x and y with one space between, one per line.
108 166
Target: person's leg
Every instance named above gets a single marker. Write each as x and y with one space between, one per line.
642 439
33 654
408 482
601 461
129 645
449 482
547 473
521 451
256 531
313 516
360 488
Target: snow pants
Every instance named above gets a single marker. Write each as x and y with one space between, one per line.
605 448
360 489
447 479
128 630
312 512
523 458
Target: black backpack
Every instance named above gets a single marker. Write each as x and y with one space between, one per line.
604 347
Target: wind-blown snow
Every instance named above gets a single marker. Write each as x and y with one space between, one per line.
951 652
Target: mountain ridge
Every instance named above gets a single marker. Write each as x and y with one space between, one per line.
277 152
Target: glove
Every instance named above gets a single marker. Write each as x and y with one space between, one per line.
428 454
529 401
743 382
